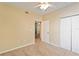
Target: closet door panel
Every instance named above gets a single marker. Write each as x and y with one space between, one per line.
65 33
75 34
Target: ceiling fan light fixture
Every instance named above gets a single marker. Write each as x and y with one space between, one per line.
44 6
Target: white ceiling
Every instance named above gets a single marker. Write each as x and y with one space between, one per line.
30 6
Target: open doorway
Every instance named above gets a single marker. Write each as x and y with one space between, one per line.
37 30
42 31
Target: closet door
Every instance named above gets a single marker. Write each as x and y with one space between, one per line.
65 33
75 34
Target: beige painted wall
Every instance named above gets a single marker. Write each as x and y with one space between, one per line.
54 18
16 27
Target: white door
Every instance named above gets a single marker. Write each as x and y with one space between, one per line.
45 31
65 33
75 34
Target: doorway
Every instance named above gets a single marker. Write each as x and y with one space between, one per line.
42 31
37 29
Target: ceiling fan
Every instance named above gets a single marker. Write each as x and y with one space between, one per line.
43 5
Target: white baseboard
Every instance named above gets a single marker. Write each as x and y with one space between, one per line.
52 44
15 48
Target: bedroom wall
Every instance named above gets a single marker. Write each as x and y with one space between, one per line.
54 19
16 27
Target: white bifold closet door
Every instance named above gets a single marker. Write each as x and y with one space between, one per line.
65 33
69 33
75 34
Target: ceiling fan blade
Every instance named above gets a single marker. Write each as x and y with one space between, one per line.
38 5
